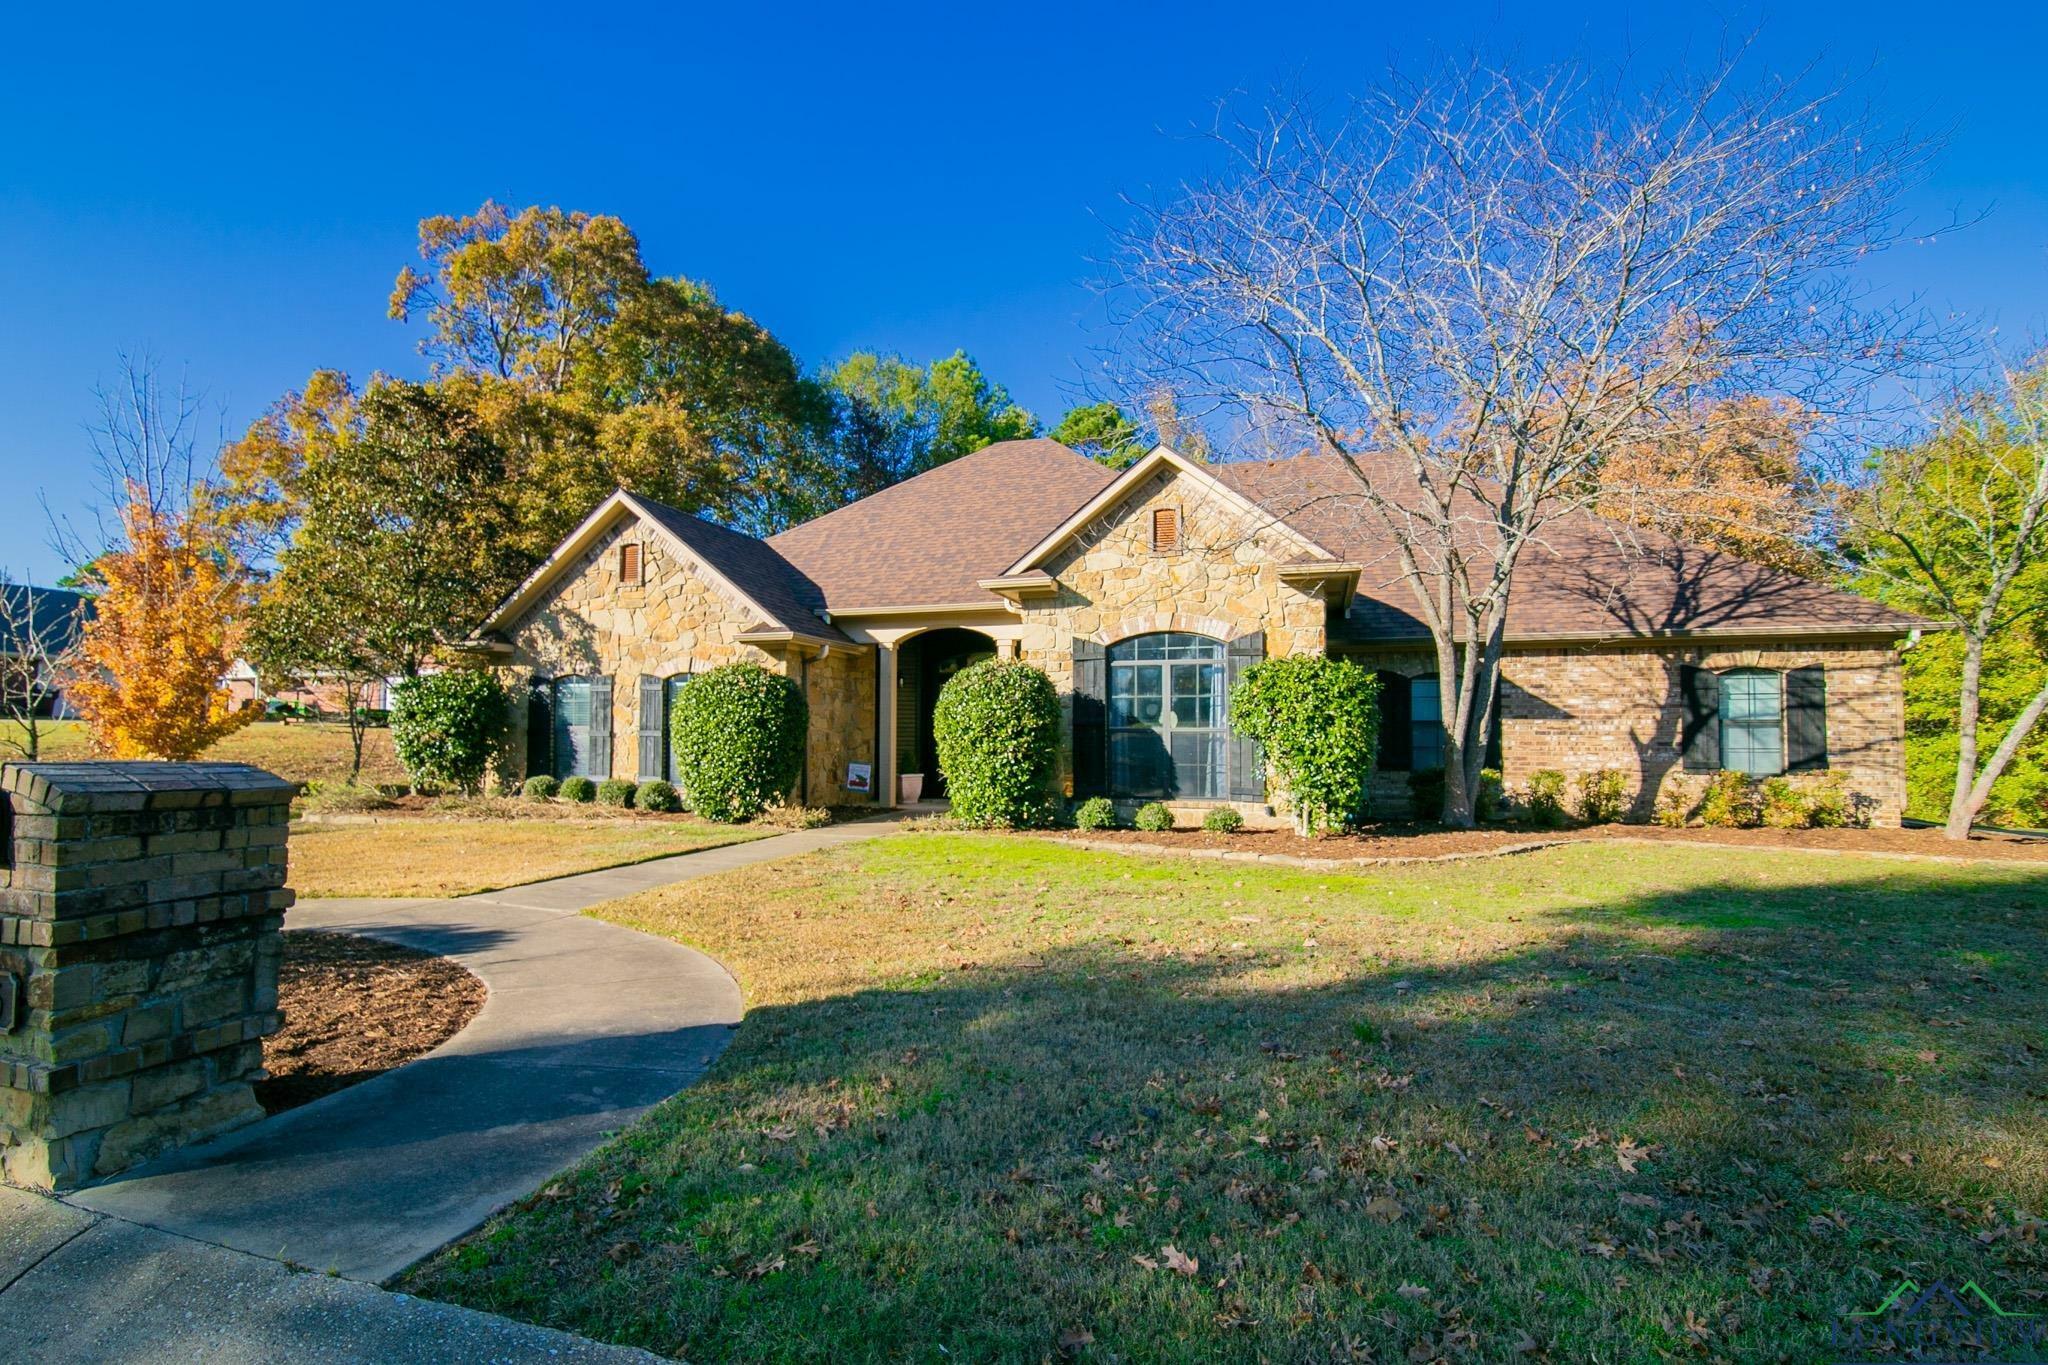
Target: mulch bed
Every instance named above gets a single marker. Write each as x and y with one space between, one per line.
355 1007
1431 841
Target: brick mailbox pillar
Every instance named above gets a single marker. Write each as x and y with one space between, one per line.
140 909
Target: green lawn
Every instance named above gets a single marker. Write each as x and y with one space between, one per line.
997 1099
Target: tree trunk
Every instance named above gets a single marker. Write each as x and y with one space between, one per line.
1960 809
1980 790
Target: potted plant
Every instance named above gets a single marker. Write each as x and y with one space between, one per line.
910 788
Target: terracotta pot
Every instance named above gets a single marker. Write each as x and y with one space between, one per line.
910 787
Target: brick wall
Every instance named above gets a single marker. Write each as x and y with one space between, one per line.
1618 706
140 911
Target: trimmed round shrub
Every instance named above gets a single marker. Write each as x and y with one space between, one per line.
738 734
1097 812
616 791
1223 820
1153 817
579 789
997 724
1317 721
1732 801
658 796
1490 801
539 788
1603 795
446 726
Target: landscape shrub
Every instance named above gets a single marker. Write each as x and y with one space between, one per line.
738 735
1676 802
1829 804
1317 723
446 726
796 817
1426 791
1783 806
1603 795
616 791
1097 812
997 727
1490 801
1543 799
1731 801
578 789
1153 817
1223 820
539 788
658 796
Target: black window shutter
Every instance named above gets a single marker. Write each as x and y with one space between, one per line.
650 727
1700 739
600 728
1397 749
1247 766
1806 719
540 728
1091 729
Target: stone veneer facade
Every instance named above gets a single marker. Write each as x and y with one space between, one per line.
140 929
1223 582
1576 709
677 619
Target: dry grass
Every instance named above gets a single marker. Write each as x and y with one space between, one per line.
297 753
457 857
1598 1103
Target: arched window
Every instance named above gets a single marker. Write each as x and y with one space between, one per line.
1753 721
1169 730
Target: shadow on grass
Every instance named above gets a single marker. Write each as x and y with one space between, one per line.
1697 1122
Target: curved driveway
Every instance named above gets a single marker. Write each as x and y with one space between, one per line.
586 1026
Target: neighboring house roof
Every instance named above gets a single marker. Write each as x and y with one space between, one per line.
55 617
930 540
1583 578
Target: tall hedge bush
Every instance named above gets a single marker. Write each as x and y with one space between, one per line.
1318 722
738 736
446 726
997 724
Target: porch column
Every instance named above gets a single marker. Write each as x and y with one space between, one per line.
886 787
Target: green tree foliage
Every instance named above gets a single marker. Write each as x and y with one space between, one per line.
404 529
446 726
2014 671
738 735
898 419
1317 721
1956 529
1102 432
997 726
522 296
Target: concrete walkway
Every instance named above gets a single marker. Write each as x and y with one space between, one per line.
586 1026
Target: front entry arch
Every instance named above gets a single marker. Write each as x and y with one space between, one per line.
923 665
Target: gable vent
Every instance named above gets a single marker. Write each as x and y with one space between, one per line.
629 564
1165 530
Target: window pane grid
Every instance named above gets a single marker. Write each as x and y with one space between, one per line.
1168 729
1752 722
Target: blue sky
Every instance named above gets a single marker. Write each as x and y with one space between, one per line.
234 192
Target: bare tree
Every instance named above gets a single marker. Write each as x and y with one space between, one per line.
1955 527
37 648
1468 290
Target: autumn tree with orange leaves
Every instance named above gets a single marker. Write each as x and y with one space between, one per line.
148 676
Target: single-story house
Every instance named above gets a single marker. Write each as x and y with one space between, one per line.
1144 594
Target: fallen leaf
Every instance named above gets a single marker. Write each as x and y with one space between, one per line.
1383 1209
1074 1338
1178 1261
1412 1291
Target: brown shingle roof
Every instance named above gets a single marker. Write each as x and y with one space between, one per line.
929 541
1586 577
789 600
